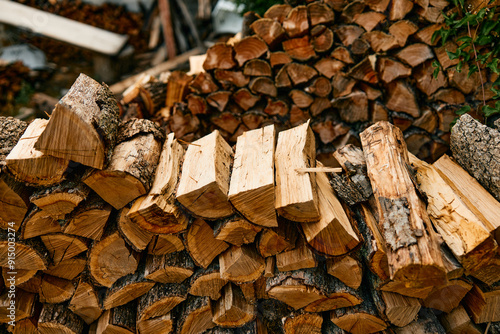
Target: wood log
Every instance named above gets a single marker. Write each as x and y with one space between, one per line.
251 189
348 34
322 42
55 290
347 269
163 244
227 121
218 99
296 22
21 276
311 288
162 325
230 78
269 30
121 319
157 211
249 48
463 232
241 264
365 70
342 85
263 86
369 20
448 296
58 319
219 56
194 315
390 69
201 244
129 175
204 191
303 323
278 12
380 41
401 98
426 81
232 309
36 223
458 321
413 253
31 166
26 326
170 268
177 88
449 95
203 83
402 30
15 202
341 53
23 307
83 126
85 301
89 219
109 259
300 49
333 234
426 323
300 257
132 233
482 304
197 105
29 254
68 269
477 199
296 194
33 284
257 68
352 107
61 199
236 231
320 87
399 8
415 54
473 146
279 58
207 282
275 240
160 300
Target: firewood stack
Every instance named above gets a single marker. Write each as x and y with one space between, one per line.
121 229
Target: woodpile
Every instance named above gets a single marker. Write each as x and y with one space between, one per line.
144 233
344 65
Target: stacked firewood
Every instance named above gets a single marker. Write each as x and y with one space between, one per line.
117 227
345 65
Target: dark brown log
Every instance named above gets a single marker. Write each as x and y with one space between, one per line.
319 105
296 22
58 319
342 85
89 127
299 73
341 53
365 70
380 41
203 83
249 48
390 69
257 68
369 20
279 58
399 8
442 55
319 14
182 122
194 315
121 319
197 104
201 244
227 121
269 30
177 88
232 309
263 86
320 86
360 46
245 99
301 49
160 300
351 10
426 81
301 99
328 131
328 67
170 268
322 42
278 12
219 56
218 99
276 107
415 54
401 98
402 30
348 33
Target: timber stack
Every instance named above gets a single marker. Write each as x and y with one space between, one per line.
343 64
119 227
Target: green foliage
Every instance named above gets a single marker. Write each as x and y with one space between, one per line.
477 34
258 6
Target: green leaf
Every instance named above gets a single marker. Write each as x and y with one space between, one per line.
465 109
437 68
490 111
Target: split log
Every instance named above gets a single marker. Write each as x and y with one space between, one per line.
31 166
327 67
426 82
473 145
163 244
296 23
23 307
300 49
341 53
68 269
352 107
402 30
160 300
249 48
300 73
157 211
170 268
348 33
482 304
36 223
369 20
83 126
236 231
413 250
89 219
426 323
29 254
201 244
219 56
269 30
322 42
401 98
477 199
232 309
333 234
300 257
245 99
399 8
121 319
449 95
162 325
278 12
448 296
203 83
390 69
21 276
15 201
296 194
463 232
263 86
380 41
194 315
55 290
458 321
251 190
277 239
365 70
347 269
301 99
85 301
61 199
342 85
58 319
207 282
110 259
230 78
197 105
241 264
415 54
132 233
131 167
303 323
203 191
33 284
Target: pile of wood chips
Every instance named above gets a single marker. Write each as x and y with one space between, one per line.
121 228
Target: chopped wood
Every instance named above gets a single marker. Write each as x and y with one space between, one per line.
157 212
301 49
163 244
402 98
415 54
121 319
442 54
203 83
132 233
402 30
236 231
328 67
341 53
477 199
228 78
426 81
232 309
348 33
68 269
319 105
55 290
320 13
160 300
426 323
61 246
296 22
249 48
31 166
399 8
300 73
263 86
342 85
300 257
425 35
412 252
257 67
301 99
276 240
320 86
37 223
296 194
369 20
447 297
323 41
352 107
279 58
219 56
278 12
203 191
458 321
482 304
347 269
428 121
365 70
194 315
201 244
351 10
269 30
245 99
89 219
241 264
303 323
15 201
56 318
177 88
163 324
226 121
84 132
390 69
380 41
218 99
170 268
207 282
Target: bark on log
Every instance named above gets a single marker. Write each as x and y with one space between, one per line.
56 318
